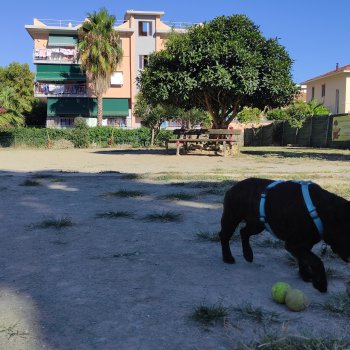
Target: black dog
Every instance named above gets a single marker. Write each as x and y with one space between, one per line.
290 221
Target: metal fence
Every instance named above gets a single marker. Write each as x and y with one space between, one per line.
315 132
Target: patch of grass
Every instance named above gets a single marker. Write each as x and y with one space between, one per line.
117 255
30 183
109 172
114 214
215 191
208 236
270 243
342 190
55 223
210 315
179 196
132 177
42 176
338 303
257 314
124 194
121 255
56 179
189 177
12 331
333 273
164 216
272 342
291 261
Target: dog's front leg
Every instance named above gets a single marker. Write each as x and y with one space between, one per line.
251 228
310 267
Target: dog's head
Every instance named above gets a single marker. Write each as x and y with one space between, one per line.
339 238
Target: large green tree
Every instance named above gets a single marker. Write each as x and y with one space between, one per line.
100 52
16 87
220 66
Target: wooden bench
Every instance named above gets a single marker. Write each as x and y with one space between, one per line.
205 137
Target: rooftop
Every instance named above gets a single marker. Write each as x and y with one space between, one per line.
338 70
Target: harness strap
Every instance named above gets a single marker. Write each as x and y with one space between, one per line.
310 207
262 205
307 199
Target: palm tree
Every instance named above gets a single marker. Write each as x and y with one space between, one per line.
11 107
100 52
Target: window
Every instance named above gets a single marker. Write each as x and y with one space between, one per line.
117 78
116 122
66 122
323 94
145 28
312 93
143 60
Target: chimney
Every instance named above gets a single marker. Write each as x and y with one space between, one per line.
336 66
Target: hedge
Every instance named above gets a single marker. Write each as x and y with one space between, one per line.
101 136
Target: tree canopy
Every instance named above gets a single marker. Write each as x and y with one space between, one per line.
220 66
16 93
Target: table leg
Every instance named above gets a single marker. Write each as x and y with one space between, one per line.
177 148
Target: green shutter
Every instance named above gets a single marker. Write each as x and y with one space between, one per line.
61 40
59 72
87 107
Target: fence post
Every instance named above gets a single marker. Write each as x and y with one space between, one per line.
327 129
310 135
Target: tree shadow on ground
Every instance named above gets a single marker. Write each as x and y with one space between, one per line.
297 153
158 152
90 285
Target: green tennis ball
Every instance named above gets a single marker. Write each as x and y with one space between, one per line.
296 300
279 290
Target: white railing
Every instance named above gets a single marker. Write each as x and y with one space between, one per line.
180 25
55 55
68 23
44 89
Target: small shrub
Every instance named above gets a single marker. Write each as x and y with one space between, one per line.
30 183
210 315
114 214
178 196
125 194
55 223
165 216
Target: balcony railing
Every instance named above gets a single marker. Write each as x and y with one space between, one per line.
68 22
180 25
67 90
53 55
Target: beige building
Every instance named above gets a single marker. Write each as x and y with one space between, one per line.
61 82
332 89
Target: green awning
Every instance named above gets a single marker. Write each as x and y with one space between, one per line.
87 107
59 72
61 40
114 107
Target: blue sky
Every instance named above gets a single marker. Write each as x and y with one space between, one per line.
316 33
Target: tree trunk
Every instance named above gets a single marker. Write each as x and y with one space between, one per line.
152 137
99 110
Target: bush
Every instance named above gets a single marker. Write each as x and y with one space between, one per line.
81 136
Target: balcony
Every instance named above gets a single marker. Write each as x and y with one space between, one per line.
55 90
55 55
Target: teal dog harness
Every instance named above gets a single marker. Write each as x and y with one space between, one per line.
307 199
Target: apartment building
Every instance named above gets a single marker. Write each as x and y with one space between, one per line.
64 85
332 89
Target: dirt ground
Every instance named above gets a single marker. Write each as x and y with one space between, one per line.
132 283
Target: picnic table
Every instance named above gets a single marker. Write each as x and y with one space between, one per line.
208 139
